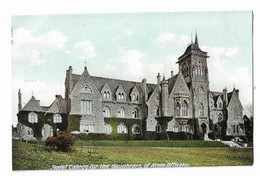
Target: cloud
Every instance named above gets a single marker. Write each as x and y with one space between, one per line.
84 50
219 56
167 38
42 90
221 76
30 50
128 32
132 65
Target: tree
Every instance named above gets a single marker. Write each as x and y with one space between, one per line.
62 142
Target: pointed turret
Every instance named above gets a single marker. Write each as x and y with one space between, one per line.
196 40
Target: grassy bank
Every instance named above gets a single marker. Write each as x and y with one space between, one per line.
36 156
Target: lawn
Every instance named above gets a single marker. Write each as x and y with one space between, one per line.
28 156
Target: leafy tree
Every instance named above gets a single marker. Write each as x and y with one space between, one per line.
62 142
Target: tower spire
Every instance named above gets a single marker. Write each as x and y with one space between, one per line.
196 39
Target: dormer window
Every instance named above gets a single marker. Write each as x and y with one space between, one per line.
121 96
134 97
219 105
106 95
86 89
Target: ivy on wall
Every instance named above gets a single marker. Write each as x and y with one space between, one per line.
43 118
163 121
73 123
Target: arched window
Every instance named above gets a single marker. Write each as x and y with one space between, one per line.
106 112
136 113
57 118
30 132
220 117
108 129
121 96
86 89
184 108
157 111
33 117
178 109
134 97
121 112
106 95
158 128
121 128
201 110
51 131
219 105
136 129
199 65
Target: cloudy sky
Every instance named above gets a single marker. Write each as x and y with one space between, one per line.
129 46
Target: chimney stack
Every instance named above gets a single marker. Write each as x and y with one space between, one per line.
172 73
19 100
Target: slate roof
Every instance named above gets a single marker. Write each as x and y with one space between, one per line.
33 105
171 82
58 105
115 83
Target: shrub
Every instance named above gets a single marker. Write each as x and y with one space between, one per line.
62 142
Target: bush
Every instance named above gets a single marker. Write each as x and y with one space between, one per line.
179 136
62 142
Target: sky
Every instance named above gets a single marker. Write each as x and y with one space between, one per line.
129 46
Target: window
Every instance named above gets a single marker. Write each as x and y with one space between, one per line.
220 117
106 95
87 128
57 118
219 105
158 128
178 109
157 111
136 113
106 112
86 107
51 131
30 132
134 97
121 128
201 110
121 96
176 129
86 89
184 108
43 132
33 117
201 89
121 112
199 68
136 129
108 129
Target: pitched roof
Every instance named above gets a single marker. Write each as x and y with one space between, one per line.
33 105
115 83
172 81
58 106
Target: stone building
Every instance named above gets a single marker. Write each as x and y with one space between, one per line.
180 99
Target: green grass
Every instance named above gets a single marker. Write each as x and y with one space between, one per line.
153 143
28 156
